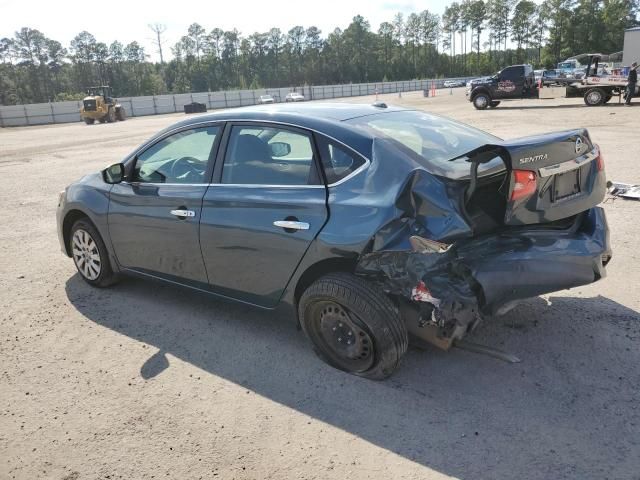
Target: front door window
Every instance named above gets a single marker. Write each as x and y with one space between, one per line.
180 158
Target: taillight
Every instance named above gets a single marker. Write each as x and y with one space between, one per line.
599 159
524 184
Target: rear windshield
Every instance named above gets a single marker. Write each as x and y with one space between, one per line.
433 141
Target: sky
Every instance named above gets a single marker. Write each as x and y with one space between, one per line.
127 20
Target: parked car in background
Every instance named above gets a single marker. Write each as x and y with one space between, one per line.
548 77
294 97
453 83
370 222
266 99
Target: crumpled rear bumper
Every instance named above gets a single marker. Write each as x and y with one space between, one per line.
491 273
519 266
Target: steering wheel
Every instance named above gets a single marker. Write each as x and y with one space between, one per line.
186 167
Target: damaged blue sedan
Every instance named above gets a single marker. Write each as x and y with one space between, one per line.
373 224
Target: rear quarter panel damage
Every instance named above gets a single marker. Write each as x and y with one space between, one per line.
489 274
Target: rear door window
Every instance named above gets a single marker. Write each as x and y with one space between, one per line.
512 74
265 155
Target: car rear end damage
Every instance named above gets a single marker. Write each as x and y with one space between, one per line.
500 237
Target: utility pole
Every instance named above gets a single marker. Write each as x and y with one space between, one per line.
158 29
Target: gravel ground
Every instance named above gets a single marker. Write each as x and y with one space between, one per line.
148 381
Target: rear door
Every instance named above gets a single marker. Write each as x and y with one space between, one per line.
265 207
510 82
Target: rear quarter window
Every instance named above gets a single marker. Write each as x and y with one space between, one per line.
338 162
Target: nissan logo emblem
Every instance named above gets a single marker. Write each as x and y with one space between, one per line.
579 145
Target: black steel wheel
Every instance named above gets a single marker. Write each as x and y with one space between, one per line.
90 254
353 325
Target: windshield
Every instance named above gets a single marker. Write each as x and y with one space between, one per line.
434 142
99 91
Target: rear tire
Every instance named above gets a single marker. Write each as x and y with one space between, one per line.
353 326
88 121
494 104
594 97
481 101
90 255
121 114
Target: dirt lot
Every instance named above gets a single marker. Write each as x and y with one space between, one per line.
146 381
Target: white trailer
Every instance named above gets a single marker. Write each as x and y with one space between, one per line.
597 87
631 52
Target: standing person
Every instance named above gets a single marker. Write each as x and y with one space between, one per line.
632 80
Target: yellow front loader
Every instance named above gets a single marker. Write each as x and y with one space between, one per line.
101 106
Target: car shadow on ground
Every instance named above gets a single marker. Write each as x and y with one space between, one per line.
568 410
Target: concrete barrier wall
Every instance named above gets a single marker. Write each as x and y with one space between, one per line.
65 112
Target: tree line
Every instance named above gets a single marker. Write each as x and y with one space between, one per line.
471 37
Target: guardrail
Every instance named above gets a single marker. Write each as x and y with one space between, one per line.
65 112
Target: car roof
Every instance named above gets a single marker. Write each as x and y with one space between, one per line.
325 118
298 113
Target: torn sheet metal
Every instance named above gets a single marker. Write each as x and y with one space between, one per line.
487 274
420 293
624 190
452 256
439 279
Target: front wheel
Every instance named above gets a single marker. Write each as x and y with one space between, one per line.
494 104
353 326
111 115
90 255
594 97
88 121
481 101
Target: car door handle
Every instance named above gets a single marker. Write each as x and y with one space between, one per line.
290 224
183 213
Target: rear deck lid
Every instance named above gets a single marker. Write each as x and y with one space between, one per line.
551 176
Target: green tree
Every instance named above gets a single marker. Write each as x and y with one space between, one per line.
523 18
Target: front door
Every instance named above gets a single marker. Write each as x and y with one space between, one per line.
266 206
510 83
154 216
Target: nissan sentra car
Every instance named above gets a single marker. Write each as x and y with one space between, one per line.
369 223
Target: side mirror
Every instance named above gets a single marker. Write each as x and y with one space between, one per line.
280 149
113 174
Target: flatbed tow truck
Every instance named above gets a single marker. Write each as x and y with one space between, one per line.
517 82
